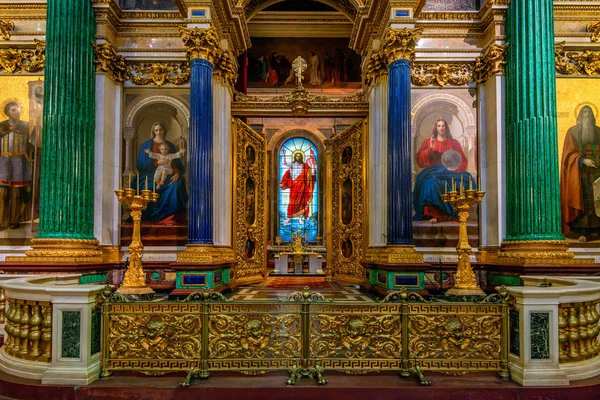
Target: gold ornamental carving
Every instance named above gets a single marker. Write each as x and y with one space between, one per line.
175 73
594 28
108 61
134 281
5 28
225 70
400 44
492 62
441 74
250 205
376 69
202 43
585 62
394 255
347 216
463 199
23 60
538 252
201 253
61 251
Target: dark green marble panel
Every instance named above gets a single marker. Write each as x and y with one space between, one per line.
71 338
515 344
96 332
540 336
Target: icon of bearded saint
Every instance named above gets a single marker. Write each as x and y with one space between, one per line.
300 179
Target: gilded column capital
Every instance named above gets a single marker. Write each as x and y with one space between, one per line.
594 28
492 62
376 70
399 44
5 28
202 43
225 70
107 60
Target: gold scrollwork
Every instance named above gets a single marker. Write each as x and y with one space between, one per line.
107 60
594 28
492 62
159 73
585 62
250 242
225 70
400 44
202 43
441 74
5 28
19 60
347 239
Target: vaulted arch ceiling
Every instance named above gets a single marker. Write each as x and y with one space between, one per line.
348 7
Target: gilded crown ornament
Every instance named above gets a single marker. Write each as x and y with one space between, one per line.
399 44
202 43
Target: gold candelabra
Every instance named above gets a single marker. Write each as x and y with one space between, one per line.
134 281
462 200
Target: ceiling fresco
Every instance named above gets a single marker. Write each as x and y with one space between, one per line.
452 5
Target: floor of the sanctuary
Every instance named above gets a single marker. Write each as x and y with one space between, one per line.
224 386
275 288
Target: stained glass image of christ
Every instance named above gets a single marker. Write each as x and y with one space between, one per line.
298 189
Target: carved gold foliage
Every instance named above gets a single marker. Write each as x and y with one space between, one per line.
441 74
585 62
164 335
202 43
348 268
454 337
250 269
256 336
225 70
375 70
108 61
356 336
400 44
492 62
159 73
23 60
5 28
594 28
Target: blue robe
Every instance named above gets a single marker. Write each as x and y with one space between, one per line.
431 183
173 196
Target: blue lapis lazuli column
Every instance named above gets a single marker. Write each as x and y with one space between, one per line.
399 154
200 175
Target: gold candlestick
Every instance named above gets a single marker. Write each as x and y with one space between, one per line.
134 281
465 282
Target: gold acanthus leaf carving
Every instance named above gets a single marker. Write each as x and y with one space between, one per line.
202 43
585 62
441 74
225 70
159 73
492 62
5 28
376 69
594 28
23 60
400 44
107 60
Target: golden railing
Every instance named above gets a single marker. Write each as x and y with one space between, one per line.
28 330
578 331
304 334
2 306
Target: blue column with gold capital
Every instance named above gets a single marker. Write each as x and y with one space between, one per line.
200 222
204 51
398 48
399 154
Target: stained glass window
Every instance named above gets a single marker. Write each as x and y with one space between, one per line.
298 190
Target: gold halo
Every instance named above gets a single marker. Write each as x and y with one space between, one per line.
11 100
579 106
296 152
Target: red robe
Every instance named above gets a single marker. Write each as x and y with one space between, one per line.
301 191
427 157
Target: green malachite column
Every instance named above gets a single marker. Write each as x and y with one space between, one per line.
67 162
533 193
